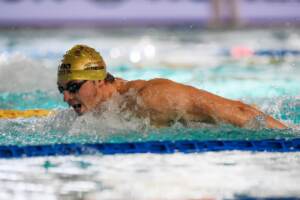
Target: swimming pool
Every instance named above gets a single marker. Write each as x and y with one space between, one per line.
223 62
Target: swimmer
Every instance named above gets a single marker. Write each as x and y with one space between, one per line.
86 86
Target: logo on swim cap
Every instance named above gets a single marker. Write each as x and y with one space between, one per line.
82 63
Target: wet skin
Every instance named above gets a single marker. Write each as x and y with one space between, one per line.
164 101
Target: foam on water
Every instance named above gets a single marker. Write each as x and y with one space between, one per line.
222 175
66 127
22 74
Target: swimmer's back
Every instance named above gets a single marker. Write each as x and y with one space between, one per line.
158 86
164 101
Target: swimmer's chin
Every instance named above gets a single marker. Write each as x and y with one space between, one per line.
79 112
82 112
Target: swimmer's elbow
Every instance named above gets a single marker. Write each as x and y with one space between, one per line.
270 121
245 114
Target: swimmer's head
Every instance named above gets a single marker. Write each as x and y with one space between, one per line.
82 63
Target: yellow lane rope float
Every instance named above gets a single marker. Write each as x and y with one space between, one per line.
12 114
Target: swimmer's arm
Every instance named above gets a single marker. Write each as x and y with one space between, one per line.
243 115
233 112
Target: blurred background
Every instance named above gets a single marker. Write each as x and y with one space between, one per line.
112 13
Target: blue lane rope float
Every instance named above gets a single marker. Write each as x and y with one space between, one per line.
158 147
278 52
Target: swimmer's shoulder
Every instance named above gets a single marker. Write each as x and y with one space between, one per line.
160 82
162 87
166 84
141 84
157 84
135 85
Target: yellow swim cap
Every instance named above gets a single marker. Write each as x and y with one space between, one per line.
82 63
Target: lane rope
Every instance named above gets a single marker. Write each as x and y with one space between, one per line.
12 114
156 147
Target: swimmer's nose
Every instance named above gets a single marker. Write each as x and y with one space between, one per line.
67 96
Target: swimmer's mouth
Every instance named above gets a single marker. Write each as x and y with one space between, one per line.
77 108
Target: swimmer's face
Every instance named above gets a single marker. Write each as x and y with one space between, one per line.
82 96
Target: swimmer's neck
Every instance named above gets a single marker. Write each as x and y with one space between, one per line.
120 85
108 90
111 89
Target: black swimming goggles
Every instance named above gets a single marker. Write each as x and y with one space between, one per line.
72 87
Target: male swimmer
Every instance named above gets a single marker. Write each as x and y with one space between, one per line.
86 85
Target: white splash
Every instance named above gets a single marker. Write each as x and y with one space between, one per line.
19 73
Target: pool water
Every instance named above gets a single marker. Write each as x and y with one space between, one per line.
210 60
